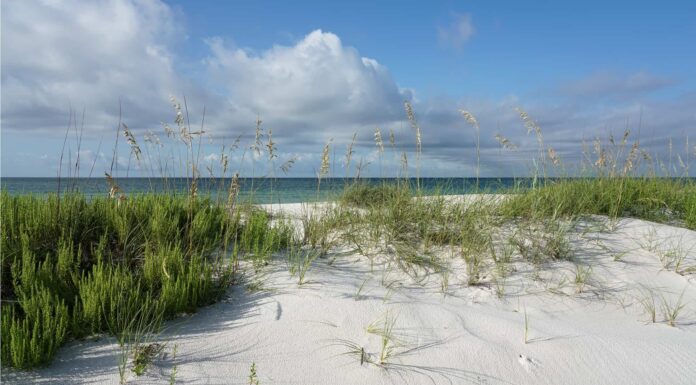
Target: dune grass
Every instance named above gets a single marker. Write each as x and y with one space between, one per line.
90 266
656 199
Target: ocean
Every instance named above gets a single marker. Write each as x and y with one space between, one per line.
260 190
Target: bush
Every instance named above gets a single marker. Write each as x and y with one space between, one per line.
72 266
365 194
32 339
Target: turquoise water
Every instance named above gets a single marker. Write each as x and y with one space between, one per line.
283 190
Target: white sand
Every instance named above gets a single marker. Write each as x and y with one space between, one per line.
297 335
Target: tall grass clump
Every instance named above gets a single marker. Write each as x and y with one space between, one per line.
363 194
89 265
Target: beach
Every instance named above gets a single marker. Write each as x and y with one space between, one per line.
358 320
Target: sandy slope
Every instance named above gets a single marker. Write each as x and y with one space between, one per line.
300 335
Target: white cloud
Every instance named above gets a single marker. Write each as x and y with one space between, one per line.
458 32
314 86
86 54
212 157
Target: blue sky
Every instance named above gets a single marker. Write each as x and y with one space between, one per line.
317 71
516 46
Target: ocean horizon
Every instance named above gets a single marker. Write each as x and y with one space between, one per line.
260 190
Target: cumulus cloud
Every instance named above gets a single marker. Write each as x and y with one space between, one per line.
312 87
86 54
458 32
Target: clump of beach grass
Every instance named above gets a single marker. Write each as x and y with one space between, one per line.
672 310
647 302
582 275
384 328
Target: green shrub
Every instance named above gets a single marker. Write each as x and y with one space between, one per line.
32 339
365 194
95 264
106 293
655 199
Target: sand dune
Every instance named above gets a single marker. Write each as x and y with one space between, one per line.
596 332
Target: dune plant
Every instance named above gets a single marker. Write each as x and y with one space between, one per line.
582 275
672 310
253 377
175 369
358 293
111 257
647 302
301 262
32 339
384 328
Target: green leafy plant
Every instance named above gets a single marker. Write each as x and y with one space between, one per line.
253 377
582 275
143 355
671 310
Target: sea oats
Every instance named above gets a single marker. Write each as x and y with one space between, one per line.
631 158
646 155
270 146
168 130
324 169
113 187
235 144
469 117
131 141
180 122
409 113
529 124
349 152
258 136
601 159
225 161
233 191
378 140
505 142
554 157
285 167
414 123
152 138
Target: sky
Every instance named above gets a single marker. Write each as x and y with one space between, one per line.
318 72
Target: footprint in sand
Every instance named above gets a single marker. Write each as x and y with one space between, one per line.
527 363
